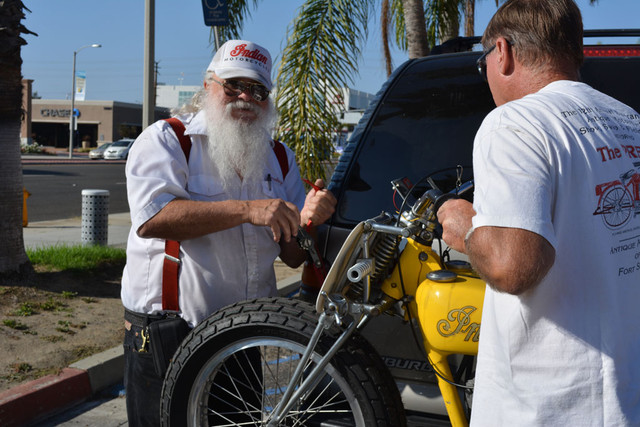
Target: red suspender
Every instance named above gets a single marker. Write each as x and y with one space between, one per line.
281 154
171 265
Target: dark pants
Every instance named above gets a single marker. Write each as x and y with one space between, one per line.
143 386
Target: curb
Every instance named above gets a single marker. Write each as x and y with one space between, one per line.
47 396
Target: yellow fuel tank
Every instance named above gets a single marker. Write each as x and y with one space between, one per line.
450 314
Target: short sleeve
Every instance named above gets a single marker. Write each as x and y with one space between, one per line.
157 172
513 184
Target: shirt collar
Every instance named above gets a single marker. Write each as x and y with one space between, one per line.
197 125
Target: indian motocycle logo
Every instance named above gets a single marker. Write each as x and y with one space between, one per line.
458 321
619 199
242 51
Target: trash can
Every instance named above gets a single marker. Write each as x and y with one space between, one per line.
95 217
25 217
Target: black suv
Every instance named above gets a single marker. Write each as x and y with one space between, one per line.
423 120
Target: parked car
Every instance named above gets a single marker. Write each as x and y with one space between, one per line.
423 122
119 150
98 153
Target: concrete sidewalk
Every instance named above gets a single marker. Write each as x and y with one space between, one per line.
68 232
40 399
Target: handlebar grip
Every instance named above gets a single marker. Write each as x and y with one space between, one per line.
443 198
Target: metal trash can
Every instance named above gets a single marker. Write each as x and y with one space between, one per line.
95 217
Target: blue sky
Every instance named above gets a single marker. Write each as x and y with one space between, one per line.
182 46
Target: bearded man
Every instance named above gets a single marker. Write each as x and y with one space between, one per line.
232 205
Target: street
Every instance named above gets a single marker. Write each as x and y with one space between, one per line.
56 189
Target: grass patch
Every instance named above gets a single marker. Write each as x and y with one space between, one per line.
53 305
26 309
77 257
14 324
65 327
21 368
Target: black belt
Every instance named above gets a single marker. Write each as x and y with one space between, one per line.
140 319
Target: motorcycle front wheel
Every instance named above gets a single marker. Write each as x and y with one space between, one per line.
234 368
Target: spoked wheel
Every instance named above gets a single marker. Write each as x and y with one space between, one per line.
616 206
235 367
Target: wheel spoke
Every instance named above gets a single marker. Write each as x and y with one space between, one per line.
237 374
236 382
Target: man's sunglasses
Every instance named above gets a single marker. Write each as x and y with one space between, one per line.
482 61
235 87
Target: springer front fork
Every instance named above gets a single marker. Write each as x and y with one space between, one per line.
337 310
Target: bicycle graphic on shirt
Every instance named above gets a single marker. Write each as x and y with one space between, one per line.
619 199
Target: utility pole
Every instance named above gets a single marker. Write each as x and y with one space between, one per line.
149 101
155 81
72 115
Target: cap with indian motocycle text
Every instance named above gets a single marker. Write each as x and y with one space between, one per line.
242 59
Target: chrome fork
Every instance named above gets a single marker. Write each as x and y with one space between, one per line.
336 309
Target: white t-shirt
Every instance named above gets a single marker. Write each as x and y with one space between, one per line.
217 269
566 353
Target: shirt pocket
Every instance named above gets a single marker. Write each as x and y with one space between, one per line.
205 187
272 188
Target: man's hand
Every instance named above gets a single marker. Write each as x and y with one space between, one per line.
455 217
318 206
282 217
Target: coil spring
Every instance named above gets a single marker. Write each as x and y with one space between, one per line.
384 252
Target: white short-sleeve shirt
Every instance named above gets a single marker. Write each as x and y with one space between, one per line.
563 163
217 269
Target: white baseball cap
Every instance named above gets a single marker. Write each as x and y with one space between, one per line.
241 58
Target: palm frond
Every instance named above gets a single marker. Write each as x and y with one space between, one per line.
239 10
320 59
440 15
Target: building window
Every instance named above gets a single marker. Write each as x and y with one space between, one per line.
184 97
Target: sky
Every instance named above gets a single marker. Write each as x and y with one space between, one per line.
184 47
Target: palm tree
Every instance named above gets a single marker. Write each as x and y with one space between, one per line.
14 263
321 56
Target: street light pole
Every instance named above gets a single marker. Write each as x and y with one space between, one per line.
72 117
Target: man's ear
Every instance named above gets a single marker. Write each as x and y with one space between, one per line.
505 58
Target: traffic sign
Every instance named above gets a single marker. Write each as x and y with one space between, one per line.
215 12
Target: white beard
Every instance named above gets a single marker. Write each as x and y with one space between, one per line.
237 148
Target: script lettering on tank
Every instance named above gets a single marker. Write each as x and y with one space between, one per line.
458 321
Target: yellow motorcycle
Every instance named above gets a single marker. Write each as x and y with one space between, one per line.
284 362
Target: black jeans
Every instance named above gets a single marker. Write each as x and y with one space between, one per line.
142 385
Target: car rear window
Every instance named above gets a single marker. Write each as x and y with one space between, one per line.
424 122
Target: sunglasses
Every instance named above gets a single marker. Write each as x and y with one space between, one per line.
236 87
481 63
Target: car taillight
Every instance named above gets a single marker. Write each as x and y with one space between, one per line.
611 51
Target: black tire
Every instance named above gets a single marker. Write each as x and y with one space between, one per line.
356 389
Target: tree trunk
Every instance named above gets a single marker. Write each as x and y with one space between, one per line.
416 28
469 17
13 258
385 21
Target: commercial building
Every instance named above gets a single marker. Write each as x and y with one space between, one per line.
47 121
174 96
